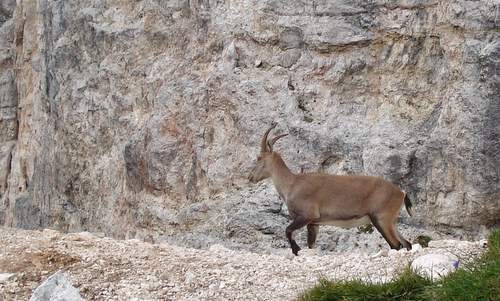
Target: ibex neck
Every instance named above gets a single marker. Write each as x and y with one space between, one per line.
282 176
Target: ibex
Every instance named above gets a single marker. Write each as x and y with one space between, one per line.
315 199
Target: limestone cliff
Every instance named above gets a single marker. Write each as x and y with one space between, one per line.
140 118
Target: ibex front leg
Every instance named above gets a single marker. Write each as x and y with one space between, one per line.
297 223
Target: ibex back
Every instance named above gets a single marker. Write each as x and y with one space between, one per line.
315 199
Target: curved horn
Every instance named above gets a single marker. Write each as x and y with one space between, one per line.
263 143
272 142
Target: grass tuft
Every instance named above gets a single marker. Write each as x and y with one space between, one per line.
367 228
406 286
423 240
478 280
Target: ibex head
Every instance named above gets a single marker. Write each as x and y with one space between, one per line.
263 167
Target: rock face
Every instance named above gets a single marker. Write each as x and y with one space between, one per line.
133 117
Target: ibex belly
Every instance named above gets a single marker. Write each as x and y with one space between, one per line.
347 223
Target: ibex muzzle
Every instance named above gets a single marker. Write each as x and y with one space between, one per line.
315 199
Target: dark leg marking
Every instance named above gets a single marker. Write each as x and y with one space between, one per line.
312 233
297 223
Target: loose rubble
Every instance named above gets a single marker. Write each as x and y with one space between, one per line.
102 268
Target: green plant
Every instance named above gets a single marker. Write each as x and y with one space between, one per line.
423 240
367 228
407 286
479 280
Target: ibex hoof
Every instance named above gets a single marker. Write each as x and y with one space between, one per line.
296 250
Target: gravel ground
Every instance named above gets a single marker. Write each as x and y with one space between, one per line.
106 269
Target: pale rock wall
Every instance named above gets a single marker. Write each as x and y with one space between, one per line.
134 117
8 96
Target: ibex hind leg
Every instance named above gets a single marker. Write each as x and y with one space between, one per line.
389 224
312 233
387 230
403 241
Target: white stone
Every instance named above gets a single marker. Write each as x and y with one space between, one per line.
5 276
392 252
306 252
134 241
81 236
50 232
442 243
415 248
483 243
379 253
218 248
435 266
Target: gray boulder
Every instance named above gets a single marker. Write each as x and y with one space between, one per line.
56 288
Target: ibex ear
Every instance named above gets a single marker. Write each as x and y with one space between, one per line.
271 143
